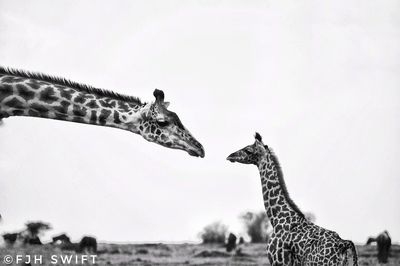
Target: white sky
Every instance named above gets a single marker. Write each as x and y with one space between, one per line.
319 80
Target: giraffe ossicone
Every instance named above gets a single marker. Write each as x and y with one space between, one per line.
294 239
38 95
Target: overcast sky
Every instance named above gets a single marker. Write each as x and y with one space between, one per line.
319 81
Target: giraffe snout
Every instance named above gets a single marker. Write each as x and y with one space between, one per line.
197 150
232 157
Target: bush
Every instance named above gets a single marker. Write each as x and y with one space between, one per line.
214 233
35 228
256 225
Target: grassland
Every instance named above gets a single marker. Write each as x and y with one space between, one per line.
181 254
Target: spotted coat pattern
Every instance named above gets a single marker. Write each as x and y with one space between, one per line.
294 240
31 97
39 95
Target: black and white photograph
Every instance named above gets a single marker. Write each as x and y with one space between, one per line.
199 132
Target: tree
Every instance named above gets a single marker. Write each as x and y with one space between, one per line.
214 233
35 228
256 225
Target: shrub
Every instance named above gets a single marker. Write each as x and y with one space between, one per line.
35 228
214 233
256 225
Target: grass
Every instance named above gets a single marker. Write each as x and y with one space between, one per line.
182 254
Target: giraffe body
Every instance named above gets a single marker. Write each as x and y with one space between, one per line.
38 95
294 240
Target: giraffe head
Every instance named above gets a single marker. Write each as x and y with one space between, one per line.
159 125
251 154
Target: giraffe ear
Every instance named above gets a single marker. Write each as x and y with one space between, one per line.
159 94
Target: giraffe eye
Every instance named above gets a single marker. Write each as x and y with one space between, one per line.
162 123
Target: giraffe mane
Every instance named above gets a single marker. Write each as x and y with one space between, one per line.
69 83
283 184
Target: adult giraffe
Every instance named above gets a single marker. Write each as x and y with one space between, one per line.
37 95
295 240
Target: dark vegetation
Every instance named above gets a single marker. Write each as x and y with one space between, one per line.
256 225
30 236
214 233
219 246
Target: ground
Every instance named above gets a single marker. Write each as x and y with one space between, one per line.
179 254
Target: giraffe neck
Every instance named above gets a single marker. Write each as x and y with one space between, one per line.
278 205
27 96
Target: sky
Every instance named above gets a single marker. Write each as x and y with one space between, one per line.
319 81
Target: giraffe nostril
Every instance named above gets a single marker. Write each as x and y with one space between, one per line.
197 152
193 153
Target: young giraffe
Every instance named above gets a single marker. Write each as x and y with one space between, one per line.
294 241
38 95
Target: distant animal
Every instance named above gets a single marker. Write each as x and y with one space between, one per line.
383 242
231 243
294 240
10 238
88 244
33 240
37 95
25 237
241 240
62 239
